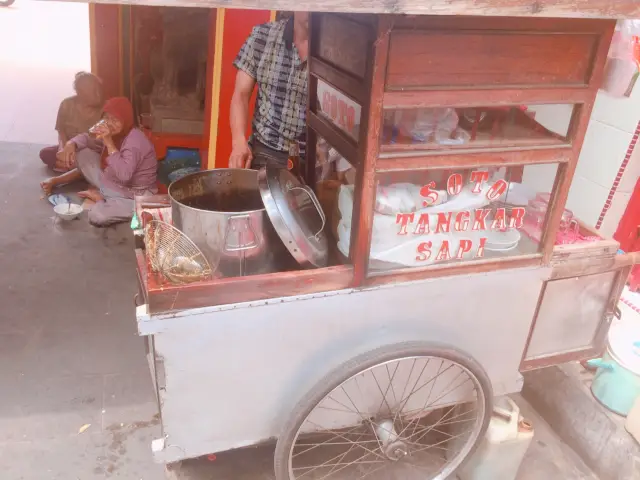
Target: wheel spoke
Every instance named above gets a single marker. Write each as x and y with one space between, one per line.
391 377
437 424
336 409
427 383
345 438
338 458
343 405
426 402
355 462
423 406
330 440
373 470
384 394
436 445
449 392
440 423
403 401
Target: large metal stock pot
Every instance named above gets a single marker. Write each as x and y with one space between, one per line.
222 212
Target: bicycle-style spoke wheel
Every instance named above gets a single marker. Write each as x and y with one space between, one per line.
402 412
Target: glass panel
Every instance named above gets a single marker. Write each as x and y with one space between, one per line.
339 109
335 178
496 126
428 217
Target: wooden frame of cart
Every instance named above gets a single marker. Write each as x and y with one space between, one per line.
239 361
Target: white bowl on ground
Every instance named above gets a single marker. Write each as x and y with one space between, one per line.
68 211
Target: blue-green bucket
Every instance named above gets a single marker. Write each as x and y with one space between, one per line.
616 384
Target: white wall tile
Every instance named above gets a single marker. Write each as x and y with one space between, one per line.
602 153
586 199
614 214
622 113
631 173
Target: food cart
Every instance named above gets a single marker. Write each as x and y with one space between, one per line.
422 268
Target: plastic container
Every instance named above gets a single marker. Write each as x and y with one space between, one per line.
505 444
616 384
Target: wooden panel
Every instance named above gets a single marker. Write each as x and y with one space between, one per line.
370 131
334 137
484 97
465 268
595 260
519 156
347 84
434 22
164 297
502 8
474 58
591 251
343 43
579 126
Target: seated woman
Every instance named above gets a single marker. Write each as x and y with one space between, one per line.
75 116
129 160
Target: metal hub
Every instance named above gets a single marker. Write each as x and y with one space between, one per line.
390 443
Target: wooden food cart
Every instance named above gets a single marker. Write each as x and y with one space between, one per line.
442 150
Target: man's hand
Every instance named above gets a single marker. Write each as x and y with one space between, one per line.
241 156
69 155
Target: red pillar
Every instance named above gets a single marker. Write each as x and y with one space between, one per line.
237 27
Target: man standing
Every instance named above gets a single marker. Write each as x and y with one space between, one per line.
275 58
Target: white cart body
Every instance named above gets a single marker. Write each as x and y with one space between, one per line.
227 377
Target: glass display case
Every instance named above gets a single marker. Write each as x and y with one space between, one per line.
461 161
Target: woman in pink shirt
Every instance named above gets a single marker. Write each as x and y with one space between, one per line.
119 164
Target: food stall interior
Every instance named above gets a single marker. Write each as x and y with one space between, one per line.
435 146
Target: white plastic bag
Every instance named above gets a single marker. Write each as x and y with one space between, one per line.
387 247
402 198
429 124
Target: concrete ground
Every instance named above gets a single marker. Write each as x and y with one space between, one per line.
548 458
69 352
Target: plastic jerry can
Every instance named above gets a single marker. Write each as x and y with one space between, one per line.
504 446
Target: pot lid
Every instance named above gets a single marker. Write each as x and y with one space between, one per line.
624 344
296 215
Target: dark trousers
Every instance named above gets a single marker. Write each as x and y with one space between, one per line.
263 156
48 156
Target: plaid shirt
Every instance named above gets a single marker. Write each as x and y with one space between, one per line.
270 57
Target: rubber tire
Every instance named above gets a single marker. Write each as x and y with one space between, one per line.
363 362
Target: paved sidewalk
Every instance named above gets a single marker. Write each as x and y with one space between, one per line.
69 351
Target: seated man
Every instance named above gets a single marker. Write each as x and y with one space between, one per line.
75 116
129 160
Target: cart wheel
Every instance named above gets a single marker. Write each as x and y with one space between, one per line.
403 411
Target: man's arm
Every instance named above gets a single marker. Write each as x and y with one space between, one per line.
241 154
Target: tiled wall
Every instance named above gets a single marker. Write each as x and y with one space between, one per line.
612 130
